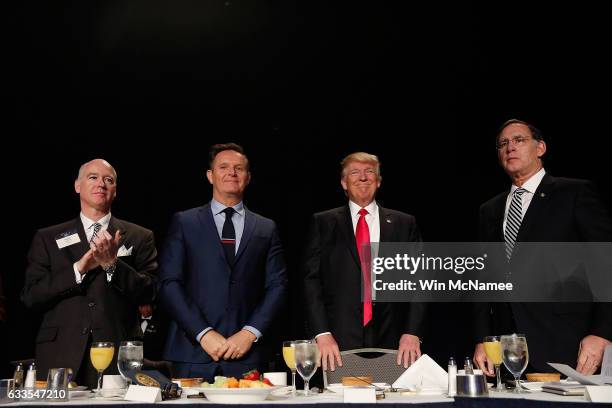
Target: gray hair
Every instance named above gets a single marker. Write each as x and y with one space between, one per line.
82 168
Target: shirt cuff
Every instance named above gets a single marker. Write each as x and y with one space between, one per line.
202 333
321 334
253 330
77 274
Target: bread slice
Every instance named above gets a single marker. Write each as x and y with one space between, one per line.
357 381
189 382
543 377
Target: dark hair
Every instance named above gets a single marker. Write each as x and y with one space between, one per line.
221 147
535 132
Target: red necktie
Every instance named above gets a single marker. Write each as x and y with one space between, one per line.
362 236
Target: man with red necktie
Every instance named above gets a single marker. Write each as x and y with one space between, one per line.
337 265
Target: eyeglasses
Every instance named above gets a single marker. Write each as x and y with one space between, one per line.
516 141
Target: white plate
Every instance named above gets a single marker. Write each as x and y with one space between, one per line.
431 390
235 395
113 392
281 391
338 388
533 385
79 393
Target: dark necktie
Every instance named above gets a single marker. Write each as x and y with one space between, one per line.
228 236
96 228
513 220
362 236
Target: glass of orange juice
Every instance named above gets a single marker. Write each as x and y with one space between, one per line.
289 357
493 350
101 354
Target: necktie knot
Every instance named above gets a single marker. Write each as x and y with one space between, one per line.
519 191
363 212
229 212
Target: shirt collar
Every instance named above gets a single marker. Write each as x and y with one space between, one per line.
531 185
217 207
87 223
371 208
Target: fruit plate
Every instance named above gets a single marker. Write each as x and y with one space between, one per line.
235 395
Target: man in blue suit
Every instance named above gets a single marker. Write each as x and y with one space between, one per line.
222 276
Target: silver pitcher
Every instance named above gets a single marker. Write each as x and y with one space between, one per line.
57 384
472 385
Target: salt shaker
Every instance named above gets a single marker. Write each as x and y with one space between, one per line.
452 377
467 366
30 381
18 376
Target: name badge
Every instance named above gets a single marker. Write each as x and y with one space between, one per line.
67 238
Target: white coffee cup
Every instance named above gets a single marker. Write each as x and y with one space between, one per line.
113 382
277 378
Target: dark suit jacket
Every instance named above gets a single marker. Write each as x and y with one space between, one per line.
72 311
332 281
198 289
154 337
562 210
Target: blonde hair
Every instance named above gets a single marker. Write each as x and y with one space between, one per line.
361 157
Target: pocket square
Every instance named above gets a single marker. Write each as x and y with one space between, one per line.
124 252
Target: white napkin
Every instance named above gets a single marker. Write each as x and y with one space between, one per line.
123 251
423 374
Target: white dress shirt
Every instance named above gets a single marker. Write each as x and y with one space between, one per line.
531 185
373 221
88 226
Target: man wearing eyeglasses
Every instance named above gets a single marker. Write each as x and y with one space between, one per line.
334 272
541 208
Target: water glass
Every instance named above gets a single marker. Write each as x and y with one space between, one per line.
515 356
130 358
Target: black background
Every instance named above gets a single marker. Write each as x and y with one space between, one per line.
150 85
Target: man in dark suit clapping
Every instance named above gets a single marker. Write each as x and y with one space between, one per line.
86 276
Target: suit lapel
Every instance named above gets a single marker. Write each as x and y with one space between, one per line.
498 220
209 229
386 225
114 225
249 227
537 205
346 226
78 250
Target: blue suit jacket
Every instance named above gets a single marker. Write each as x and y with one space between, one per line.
198 289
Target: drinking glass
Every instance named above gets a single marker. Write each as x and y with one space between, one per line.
289 357
493 350
306 358
101 355
515 356
130 358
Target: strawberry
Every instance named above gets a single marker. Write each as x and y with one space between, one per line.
252 375
267 381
